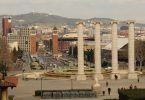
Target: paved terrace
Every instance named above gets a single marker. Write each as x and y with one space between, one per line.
26 88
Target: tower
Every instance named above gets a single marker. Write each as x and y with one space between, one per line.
33 44
6 25
55 43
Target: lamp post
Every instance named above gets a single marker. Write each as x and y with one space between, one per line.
71 80
41 85
23 73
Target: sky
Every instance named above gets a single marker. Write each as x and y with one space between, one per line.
116 9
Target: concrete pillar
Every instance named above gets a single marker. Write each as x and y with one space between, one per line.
98 73
81 75
114 51
4 94
131 48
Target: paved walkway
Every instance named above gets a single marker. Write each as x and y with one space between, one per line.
26 88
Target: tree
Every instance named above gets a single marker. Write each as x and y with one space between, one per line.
16 54
19 53
5 56
140 51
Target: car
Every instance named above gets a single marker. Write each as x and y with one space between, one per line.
108 68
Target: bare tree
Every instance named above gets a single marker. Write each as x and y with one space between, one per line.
5 56
140 51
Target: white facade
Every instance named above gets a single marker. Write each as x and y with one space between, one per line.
23 38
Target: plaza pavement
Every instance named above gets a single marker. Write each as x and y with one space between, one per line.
26 88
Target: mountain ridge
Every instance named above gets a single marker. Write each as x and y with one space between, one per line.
34 18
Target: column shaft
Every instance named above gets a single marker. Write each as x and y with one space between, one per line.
114 48
98 51
81 75
115 74
80 50
131 48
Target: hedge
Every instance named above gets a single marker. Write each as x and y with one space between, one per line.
131 94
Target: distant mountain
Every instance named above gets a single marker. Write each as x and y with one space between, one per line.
51 20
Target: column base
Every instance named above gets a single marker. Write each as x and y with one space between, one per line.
115 76
81 77
132 76
99 76
97 88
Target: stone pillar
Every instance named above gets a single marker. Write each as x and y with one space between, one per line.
114 51
131 48
4 94
55 43
81 74
98 73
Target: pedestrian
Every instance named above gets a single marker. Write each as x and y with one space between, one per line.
141 69
131 86
116 77
135 87
109 91
138 80
107 83
103 93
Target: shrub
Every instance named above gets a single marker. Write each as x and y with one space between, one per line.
132 94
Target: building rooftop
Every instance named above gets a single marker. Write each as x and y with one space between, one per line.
121 43
9 81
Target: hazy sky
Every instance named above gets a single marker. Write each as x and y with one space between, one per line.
118 9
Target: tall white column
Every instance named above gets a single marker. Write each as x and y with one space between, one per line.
131 48
98 73
114 51
81 74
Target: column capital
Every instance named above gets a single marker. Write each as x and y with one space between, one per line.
80 23
131 22
97 22
114 22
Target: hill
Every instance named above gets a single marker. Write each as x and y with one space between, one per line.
34 18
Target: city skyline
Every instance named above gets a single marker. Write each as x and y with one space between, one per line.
116 9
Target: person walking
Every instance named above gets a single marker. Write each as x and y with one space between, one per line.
107 83
116 77
131 87
109 90
103 93
138 80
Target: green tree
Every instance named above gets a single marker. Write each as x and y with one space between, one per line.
16 54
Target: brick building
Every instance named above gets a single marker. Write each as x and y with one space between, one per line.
6 25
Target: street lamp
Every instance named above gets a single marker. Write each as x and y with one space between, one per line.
23 73
71 81
41 78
